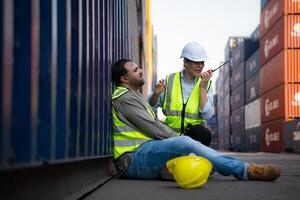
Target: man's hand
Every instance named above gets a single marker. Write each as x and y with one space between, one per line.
205 76
159 87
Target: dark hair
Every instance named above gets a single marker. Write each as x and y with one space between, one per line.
118 69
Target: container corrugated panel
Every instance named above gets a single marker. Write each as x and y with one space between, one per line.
263 3
57 87
22 136
252 65
284 68
238 140
232 43
281 102
212 121
238 118
291 135
276 9
283 35
1 83
214 143
252 114
244 51
237 76
238 97
227 112
255 35
220 91
252 139
226 69
6 63
252 88
220 77
224 140
220 124
272 136
227 85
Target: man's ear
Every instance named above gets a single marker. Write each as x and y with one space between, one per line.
184 63
124 79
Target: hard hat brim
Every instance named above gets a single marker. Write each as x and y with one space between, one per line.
195 59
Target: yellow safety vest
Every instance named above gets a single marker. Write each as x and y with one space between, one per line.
173 106
126 138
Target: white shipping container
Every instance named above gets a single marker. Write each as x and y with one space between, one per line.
252 114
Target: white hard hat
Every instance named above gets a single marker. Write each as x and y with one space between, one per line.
194 52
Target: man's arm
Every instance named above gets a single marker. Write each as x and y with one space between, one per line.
133 109
206 98
158 90
209 109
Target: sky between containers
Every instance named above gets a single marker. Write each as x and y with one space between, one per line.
208 22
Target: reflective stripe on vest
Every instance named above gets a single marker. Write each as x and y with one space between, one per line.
126 138
173 103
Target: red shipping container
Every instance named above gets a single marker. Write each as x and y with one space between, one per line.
284 35
272 136
282 102
283 68
274 10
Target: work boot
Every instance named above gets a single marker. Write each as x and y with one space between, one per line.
263 172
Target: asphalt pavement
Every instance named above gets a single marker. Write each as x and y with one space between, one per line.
287 187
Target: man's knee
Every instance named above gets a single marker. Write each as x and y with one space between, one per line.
200 133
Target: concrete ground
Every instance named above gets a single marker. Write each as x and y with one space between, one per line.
218 187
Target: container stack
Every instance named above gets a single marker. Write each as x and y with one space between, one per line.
212 124
252 101
220 108
237 99
224 93
279 74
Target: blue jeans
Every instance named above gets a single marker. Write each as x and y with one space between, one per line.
149 159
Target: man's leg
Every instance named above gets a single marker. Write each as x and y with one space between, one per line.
149 159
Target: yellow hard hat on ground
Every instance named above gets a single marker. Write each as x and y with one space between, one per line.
190 171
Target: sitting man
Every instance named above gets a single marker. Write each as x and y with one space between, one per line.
143 144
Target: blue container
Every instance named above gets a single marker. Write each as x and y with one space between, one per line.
224 140
237 98
212 121
255 34
1 84
22 137
227 85
253 138
226 70
252 65
238 119
232 43
61 95
252 88
60 102
238 140
214 143
291 133
237 76
244 51
263 4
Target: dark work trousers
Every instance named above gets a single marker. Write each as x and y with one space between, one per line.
200 133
